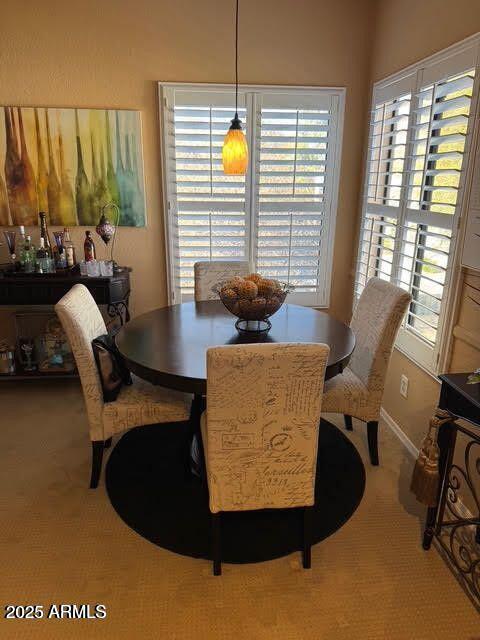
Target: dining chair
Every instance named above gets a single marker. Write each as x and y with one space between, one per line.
209 274
357 392
260 431
139 404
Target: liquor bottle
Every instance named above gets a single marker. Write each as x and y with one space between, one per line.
21 243
43 258
69 248
44 231
27 256
89 247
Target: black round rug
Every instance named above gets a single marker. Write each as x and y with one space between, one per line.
152 492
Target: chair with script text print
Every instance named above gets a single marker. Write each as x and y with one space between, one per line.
358 391
209 274
262 422
136 405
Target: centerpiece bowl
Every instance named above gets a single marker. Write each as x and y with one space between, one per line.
253 300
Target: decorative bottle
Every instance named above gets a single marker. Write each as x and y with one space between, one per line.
44 258
27 256
89 247
69 248
44 231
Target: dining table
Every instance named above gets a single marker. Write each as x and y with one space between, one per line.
168 346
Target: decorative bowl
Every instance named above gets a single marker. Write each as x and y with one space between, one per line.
253 300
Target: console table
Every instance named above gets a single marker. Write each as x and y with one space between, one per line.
455 521
23 289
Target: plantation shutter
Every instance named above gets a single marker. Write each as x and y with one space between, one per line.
206 208
294 190
420 130
384 181
439 131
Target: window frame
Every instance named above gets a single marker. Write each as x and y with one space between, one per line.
253 106
431 359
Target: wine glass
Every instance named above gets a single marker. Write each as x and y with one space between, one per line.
10 238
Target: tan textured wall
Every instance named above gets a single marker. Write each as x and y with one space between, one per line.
111 53
406 32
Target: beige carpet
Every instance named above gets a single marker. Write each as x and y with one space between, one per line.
63 543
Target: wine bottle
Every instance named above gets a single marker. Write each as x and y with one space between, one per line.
53 187
82 185
44 260
69 248
89 247
44 231
42 172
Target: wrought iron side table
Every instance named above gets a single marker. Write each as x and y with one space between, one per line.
453 524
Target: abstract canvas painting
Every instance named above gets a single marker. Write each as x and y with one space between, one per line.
70 163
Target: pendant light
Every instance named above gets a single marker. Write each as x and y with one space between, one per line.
235 149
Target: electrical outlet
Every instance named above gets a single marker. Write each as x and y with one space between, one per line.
403 386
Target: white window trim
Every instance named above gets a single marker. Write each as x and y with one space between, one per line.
435 359
338 93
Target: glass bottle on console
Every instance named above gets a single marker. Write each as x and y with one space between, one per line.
69 248
89 247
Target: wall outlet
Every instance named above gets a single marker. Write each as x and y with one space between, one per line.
403 386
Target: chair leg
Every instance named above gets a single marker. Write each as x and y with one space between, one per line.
372 433
348 422
108 443
307 537
97 456
217 547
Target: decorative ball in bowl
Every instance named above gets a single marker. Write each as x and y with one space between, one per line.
253 299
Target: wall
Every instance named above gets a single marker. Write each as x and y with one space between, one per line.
111 53
406 32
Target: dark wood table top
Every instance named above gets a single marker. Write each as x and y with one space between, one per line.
168 346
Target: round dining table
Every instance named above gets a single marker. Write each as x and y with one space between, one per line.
168 346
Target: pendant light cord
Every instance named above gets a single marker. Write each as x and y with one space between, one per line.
236 61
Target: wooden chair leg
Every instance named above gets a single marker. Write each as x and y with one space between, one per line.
108 443
348 422
217 546
97 456
372 434
307 537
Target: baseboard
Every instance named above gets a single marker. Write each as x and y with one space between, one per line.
398 431
413 451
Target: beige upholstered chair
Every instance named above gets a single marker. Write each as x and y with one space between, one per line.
209 274
138 404
358 390
260 430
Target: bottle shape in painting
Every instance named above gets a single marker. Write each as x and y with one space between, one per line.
82 185
112 182
53 186
42 171
66 201
89 247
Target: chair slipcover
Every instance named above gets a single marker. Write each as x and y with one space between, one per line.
377 317
209 274
260 430
141 403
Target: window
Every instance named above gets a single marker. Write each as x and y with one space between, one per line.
420 128
281 215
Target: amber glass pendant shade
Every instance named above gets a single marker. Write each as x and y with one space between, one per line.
235 151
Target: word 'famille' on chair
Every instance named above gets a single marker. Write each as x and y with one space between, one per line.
358 391
136 405
209 274
261 425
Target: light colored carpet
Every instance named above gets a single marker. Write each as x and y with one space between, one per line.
63 543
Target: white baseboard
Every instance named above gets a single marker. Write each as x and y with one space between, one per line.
413 451
398 431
